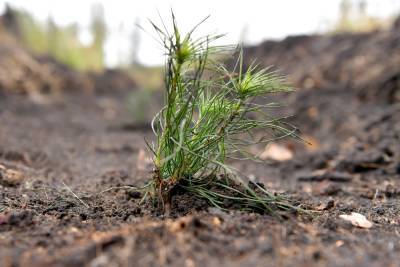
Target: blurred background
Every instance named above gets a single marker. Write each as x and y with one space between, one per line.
91 34
50 47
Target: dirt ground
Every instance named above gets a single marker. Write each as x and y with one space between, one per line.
60 160
68 152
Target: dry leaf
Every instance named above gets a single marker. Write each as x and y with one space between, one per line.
276 152
216 221
143 162
311 144
357 219
313 112
339 243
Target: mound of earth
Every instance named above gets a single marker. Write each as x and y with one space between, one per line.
320 61
24 72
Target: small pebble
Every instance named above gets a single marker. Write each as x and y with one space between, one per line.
9 177
134 194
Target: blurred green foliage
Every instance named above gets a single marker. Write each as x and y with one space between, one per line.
63 43
150 78
353 17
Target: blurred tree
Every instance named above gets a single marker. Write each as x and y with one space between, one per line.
362 8
345 12
354 18
53 38
99 32
135 42
10 20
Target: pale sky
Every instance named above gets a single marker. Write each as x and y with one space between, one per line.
252 20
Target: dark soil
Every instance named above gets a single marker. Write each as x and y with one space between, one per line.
346 59
58 157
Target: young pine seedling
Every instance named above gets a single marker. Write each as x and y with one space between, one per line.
210 116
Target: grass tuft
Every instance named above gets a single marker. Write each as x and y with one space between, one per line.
210 116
